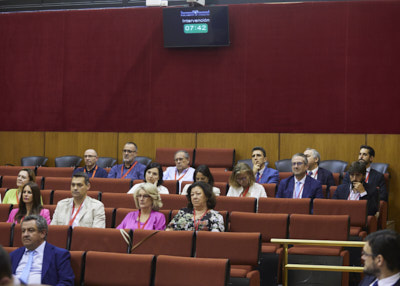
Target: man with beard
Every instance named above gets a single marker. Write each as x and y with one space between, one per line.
381 255
130 169
372 177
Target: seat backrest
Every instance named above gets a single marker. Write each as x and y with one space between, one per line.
68 161
118 269
284 165
78 265
121 213
380 167
34 161
59 195
5 211
176 243
215 158
336 178
110 217
173 202
183 271
335 166
106 185
284 175
223 187
284 205
165 156
270 189
143 160
47 196
118 200
172 186
5 230
51 209
11 181
357 210
98 239
221 175
106 162
13 170
239 204
269 225
332 190
249 162
323 227
240 248
55 172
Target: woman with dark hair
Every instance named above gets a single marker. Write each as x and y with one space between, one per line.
202 174
13 195
29 204
152 174
199 214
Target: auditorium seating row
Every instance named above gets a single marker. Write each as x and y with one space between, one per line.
243 245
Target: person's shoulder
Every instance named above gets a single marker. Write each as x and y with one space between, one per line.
17 251
94 201
287 180
163 190
322 170
64 201
56 249
271 170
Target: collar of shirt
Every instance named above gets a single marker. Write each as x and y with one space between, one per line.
302 180
388 281
314 172
262 170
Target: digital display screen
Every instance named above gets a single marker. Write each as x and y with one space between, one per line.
196 27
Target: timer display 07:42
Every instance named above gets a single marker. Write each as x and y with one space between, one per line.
195 28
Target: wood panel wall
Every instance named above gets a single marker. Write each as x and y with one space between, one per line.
14 145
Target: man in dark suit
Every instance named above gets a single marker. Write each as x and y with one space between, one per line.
381 255
299 185
39 262
373 177
262 173
324 176
358 189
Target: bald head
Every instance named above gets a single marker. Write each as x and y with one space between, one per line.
90 157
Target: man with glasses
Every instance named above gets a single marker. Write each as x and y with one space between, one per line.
91 168
129 169
299 185
381 255
182 170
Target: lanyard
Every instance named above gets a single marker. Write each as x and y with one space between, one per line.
299 194
244 193
94 173
366 179
73 208
130 169
184 173
138 222
16 195
196 222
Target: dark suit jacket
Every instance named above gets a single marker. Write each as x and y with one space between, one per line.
325 177
368 279
269 176
56 268
312 188
375 179
342 193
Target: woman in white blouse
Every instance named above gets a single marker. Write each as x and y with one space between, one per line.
243 183
152 174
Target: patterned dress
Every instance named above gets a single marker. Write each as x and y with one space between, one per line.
211 221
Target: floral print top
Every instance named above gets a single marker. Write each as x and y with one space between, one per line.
211 221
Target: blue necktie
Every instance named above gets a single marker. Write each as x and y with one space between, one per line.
25 273
375 283
258 176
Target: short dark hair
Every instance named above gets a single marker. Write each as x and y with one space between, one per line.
160 172
206 172
259 149
5 264
132 143
41 222
208 192
371 150
82 175
386 243
357 167
36 202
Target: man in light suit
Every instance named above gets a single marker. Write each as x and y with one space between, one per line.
80 210
262 173
373 177
299 185
324 176
381 255
39 262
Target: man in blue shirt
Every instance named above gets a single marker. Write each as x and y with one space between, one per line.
91 168
129 169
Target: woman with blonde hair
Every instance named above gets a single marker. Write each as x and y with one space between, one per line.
243 183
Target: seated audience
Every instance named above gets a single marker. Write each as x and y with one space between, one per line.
39 262
29 204
324 176
148 201
299 185
91 167
242 183
358 189
130 169
202 174
80 210
13 196
199 214
182 170
152 174
262 173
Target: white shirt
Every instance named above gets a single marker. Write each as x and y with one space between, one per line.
388 281
161 189
354 195
302 182
172 174
216 190
35 275
314 173
255 191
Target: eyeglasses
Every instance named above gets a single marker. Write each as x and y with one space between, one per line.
128 151
363 253
297 163
179 159
143 196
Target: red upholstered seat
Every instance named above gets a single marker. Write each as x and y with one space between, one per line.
284 205
215 158
55 171
240 204
165 156
106 185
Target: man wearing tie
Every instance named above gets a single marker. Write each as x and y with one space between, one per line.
299 185
39 262
262 173
381 255
324 176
